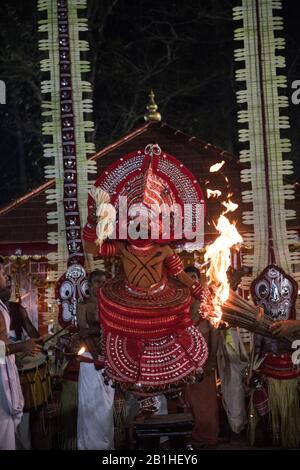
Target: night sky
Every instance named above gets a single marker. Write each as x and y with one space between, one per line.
183 50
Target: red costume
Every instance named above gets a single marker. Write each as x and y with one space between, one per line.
151 344
275 386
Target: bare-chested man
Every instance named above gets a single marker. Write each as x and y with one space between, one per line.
18 315
11 398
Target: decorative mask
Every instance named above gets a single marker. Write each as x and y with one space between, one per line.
276 291
71 288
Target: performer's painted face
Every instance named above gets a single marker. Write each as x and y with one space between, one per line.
71 288
143 223
275 291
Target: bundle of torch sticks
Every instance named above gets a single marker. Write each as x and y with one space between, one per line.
238 312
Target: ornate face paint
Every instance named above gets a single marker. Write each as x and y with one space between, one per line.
71 288
276 291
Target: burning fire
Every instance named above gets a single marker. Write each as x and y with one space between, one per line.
230 206
218 254
216 167
81 351
213 193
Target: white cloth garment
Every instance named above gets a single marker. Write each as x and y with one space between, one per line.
162 405
95 423
232 360
11 397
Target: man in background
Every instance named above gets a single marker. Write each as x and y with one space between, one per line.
202 396
11 397
95 425
19 319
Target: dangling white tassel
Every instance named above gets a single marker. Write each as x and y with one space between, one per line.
106 214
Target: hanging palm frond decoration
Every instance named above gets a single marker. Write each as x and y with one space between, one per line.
262 132
65 107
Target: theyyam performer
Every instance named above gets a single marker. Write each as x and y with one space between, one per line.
150 343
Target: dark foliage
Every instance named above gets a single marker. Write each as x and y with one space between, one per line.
183 50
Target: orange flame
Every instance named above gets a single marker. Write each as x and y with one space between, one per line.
230 206
218 254
213 193
81 351
216 167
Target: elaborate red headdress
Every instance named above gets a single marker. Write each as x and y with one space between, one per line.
151 179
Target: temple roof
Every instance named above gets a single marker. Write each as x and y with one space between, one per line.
23 222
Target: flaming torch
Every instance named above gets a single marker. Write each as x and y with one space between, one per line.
225 303
218 255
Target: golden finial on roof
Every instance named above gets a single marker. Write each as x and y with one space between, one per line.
152 114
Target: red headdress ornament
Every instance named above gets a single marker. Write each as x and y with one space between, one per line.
152 180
